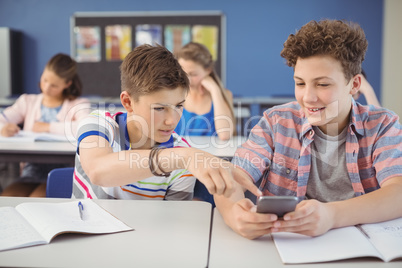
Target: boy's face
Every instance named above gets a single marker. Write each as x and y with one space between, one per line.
154 117
323 92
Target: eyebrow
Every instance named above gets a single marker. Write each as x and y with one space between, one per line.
315 79
166 104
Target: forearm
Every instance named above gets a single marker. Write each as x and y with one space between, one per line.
380 205
110 169
224 120
371 98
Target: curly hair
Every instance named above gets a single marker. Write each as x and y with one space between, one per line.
344 41
148 69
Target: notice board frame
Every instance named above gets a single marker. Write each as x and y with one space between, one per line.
102 78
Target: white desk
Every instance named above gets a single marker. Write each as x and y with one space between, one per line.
228 249
167 234
64 152
38 152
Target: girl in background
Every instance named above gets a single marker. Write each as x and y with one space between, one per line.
208 109
56 110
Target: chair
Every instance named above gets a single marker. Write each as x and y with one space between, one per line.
60 183
201 193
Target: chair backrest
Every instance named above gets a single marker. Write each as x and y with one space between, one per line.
201 193
60 183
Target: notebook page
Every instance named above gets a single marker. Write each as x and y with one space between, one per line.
336 244
15 231
50 219
386 237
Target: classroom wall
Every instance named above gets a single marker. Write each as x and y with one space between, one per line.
256 31
392 57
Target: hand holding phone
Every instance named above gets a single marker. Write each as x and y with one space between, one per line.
279 205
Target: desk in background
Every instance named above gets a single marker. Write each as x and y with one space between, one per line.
245 108
228 249
167 234
64 152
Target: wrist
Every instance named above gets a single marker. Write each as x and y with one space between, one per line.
334 214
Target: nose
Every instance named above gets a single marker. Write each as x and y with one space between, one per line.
45 85
172 117
310 95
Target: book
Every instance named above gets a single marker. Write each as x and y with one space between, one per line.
28 136
32 223
380 240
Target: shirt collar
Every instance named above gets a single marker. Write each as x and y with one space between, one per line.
356 120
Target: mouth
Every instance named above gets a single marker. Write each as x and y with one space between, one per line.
314 110
166 132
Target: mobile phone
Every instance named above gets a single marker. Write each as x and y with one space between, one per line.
279 205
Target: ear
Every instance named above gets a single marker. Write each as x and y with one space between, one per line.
68 84
356 83
126 101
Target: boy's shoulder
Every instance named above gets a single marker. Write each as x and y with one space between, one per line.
371 113
178 141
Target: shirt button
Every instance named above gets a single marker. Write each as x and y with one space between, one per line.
287 171
311 132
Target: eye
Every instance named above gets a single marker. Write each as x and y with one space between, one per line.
299 84
323 85
159 109
179 106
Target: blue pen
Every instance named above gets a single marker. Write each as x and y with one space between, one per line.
5 117
81 210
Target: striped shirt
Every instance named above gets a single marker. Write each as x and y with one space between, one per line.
282 141
178 186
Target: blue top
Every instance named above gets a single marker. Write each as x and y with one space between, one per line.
192 124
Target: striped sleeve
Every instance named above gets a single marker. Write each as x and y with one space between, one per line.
387 149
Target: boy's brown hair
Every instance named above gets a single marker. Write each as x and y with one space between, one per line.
147 69
346 42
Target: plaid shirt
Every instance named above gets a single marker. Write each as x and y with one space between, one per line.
282 141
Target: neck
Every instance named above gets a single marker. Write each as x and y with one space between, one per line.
52 101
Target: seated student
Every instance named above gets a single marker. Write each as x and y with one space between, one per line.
367 91
208 109
56 110
137 155
344 159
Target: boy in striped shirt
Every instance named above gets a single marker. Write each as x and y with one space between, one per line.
343 159
137 154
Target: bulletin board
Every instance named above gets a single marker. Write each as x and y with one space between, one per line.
101 40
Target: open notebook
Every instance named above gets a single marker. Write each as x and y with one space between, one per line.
31 224
380 240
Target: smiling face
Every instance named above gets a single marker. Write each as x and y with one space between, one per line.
323 92
153 118
194 71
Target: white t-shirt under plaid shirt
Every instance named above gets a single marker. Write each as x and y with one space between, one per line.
178 186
